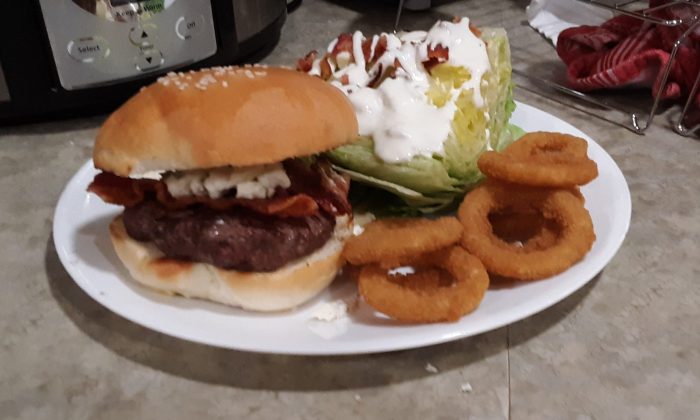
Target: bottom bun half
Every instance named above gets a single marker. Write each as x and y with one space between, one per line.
286 288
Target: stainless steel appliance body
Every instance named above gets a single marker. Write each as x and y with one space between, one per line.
60 57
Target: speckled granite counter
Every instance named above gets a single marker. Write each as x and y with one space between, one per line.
625 346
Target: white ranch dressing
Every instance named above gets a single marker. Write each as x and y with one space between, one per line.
315 68
401 121
332 45
397 114
373 46
466 50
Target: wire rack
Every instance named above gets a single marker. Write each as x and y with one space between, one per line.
637 121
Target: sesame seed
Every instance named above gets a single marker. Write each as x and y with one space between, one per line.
224 83
207 79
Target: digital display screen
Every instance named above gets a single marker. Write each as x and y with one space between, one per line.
122 10
123 2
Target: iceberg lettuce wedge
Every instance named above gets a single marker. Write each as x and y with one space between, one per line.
428 184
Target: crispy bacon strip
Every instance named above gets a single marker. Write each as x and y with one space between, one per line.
439 52
344 44
328 188
436 55
379 49
475 30
371 57
367 49
335 183
114 189
377 76
326 70
390 73
127 192
305 64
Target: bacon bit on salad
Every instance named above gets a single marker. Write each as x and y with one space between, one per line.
306 64
344 44
476 31
326 70
436 55
380 48
390 73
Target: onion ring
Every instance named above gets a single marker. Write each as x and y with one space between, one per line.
562 208
389 240
451 287
528 230
541 159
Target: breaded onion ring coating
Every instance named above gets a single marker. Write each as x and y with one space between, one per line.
561 209
389 240
453 285
542 159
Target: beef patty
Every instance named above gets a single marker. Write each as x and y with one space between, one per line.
234 239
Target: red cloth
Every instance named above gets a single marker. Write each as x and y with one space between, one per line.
626 51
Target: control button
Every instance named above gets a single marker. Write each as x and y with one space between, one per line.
143 35
88 49
149 59
186 27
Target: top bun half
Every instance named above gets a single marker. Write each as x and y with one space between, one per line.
224 116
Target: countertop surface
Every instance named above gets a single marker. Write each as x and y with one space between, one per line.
626 346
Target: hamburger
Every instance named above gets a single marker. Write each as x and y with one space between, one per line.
225 196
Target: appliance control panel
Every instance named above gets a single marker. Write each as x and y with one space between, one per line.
101 42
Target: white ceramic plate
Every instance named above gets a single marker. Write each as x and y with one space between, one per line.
83 244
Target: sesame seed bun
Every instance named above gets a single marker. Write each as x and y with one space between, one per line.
224 116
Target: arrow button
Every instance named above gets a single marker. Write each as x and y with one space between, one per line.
149 59
143 35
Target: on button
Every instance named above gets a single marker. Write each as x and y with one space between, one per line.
186 27
88 49
149 59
